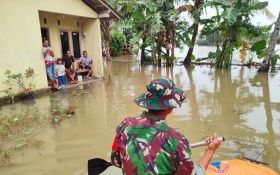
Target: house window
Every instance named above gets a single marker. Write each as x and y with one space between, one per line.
64 41
76 44
45 20
45 34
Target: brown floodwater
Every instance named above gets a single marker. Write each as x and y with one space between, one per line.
238 103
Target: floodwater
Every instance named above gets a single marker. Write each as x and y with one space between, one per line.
238 103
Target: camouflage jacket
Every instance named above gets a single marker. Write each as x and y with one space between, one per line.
146 145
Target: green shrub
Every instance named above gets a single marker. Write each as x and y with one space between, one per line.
117 42
274 59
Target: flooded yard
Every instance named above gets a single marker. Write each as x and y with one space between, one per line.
238 103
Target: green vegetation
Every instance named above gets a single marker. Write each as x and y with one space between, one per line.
117 42
20 83
259 48
58 111
20 78
155 28
275 57
270 52
232 26
18 129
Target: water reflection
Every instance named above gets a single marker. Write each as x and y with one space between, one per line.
223 101
271 152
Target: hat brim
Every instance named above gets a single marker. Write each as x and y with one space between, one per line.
174 102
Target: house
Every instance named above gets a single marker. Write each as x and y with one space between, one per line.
68 24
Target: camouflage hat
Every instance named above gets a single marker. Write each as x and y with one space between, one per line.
161 94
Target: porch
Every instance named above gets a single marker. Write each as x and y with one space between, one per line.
74 33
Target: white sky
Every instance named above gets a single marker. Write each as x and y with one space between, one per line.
274 7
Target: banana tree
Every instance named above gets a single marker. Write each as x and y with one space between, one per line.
156 25
234 23
145 22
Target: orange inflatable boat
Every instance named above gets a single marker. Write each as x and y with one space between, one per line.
238 167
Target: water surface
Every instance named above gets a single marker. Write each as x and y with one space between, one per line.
224 101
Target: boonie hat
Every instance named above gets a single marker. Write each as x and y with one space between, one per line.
161 94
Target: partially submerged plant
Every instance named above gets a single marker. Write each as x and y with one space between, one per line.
19 130
16 132
22 80
274 58
259 49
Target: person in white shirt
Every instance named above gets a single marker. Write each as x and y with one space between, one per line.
49 63
60 71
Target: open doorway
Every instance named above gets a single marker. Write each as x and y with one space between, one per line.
70 40
45 34
64 41
76 44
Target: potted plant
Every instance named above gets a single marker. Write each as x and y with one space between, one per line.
23 81
27 93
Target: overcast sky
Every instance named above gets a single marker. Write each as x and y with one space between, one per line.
274 7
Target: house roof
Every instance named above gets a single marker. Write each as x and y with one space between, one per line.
101 7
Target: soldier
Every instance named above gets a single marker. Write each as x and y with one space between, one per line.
146 145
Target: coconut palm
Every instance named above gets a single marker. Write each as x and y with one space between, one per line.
270 50
196 12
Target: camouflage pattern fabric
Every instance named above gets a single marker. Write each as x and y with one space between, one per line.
161 94
146 145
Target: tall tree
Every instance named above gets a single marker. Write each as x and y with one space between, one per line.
270 50
197 13
105 26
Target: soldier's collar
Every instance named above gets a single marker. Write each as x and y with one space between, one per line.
152 116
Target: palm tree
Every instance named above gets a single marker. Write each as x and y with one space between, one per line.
197 13
270 50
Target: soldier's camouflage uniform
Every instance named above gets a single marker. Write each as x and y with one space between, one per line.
146 145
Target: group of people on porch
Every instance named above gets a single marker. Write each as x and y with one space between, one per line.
63 70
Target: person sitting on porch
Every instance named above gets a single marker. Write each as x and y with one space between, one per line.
49 63
85 62
68 61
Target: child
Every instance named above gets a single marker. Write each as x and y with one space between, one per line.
60 71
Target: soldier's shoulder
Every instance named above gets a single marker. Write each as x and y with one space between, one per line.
131 120
176 134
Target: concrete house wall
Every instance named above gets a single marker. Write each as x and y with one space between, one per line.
21 40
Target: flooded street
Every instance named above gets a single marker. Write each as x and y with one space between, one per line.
238 103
